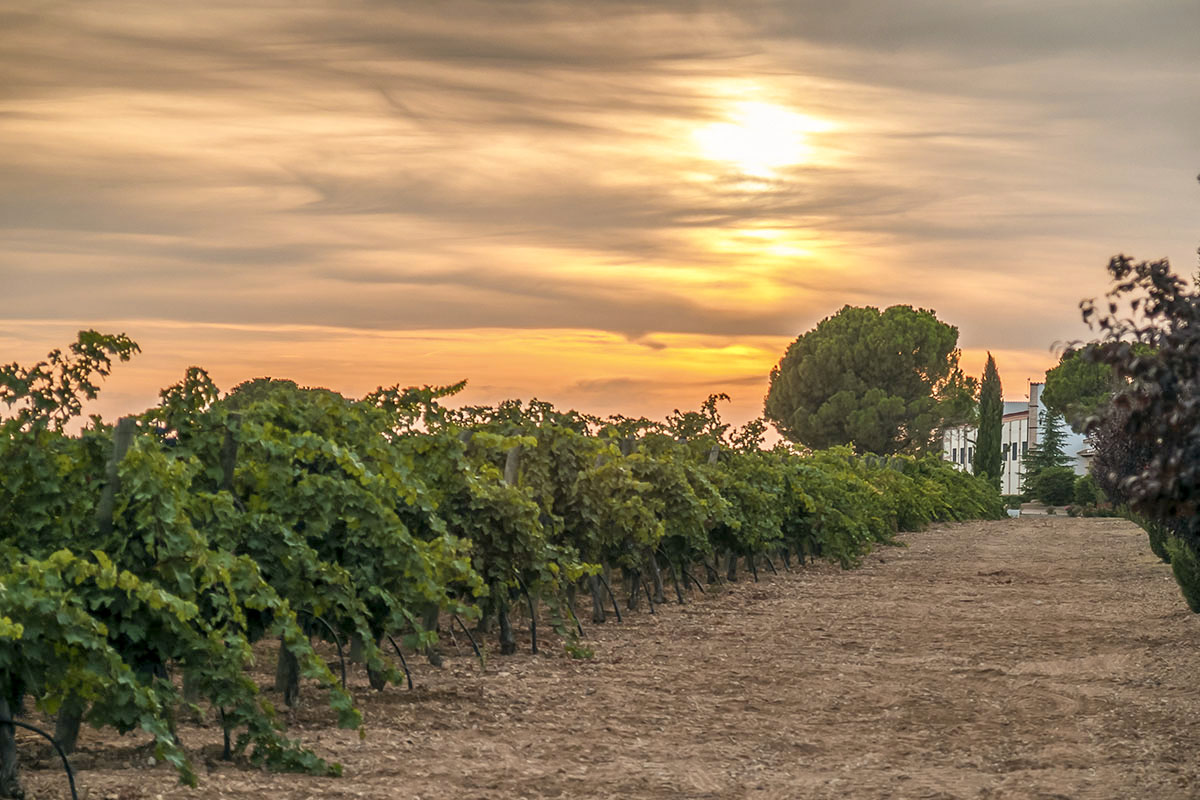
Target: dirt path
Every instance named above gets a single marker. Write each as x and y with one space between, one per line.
1039 657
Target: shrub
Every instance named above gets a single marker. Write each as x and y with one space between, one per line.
1086 492
1054 486
1159 536
1148 437
1185 563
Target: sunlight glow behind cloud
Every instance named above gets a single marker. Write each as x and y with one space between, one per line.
760 137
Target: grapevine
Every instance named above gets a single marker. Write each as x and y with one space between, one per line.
140 563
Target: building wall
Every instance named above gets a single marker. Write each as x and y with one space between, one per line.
958 447
1014 445
1036 409
1018 432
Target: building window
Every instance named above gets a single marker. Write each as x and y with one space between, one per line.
1004 452
1024 448
954 454
971 454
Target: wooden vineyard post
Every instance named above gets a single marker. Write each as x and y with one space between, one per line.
70 715
229 449
122 439
508 642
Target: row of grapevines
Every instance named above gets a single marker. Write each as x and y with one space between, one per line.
113 577
166 547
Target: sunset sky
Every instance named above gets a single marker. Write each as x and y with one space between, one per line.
612 205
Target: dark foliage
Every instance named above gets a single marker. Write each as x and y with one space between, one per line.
1117 456
1148 439
1160 404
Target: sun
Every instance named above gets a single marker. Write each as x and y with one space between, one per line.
759 138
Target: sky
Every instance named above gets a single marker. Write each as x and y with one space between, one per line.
616 206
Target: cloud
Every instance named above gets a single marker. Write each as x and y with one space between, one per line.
986 33
608 386
467 166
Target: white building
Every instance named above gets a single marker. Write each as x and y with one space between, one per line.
1018 433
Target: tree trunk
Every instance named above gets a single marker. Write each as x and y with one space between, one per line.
66 724
287 675
656 573
508 642
10 778
484 626
430 623
597 590
356 649
377 679
675 577
635 583
731 567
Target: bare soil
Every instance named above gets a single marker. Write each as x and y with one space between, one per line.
1037 657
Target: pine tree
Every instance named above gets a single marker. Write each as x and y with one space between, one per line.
1050 451
881 381
987 461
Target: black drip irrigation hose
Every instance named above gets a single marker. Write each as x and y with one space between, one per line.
227 750
671 567
470 638
611 596
689 576
57 747
646 588
532 615
571 611
337 640
716 568
676 580
403 663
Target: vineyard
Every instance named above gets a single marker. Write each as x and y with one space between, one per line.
148 569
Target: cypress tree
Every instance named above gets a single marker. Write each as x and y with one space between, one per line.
987 461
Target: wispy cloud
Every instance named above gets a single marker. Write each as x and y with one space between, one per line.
528 167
